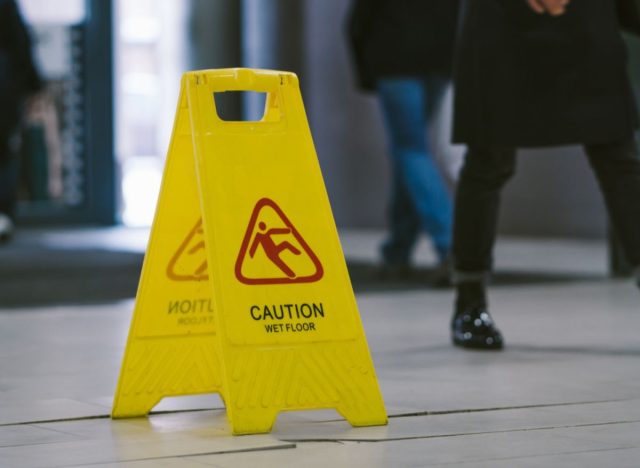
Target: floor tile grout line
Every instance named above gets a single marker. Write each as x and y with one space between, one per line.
504 408
52 421
573 452
288 446
57 431
39 444
461 434
497 408
104 416
390 416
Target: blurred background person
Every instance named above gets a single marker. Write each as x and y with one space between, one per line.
402 50
18 80
536 73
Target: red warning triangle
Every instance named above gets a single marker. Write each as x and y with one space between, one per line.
189 262
273 251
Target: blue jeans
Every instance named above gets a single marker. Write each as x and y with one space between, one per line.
420 198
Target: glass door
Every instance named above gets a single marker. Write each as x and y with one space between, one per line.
67 162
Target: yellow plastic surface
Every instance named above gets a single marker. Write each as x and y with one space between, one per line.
171 348
286 328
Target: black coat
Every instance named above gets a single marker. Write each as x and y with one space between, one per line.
401 38
18 75
523 79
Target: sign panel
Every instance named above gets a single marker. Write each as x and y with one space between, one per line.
171 349
260 238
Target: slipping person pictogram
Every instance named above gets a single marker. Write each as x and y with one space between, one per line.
266 223
273 250
189 262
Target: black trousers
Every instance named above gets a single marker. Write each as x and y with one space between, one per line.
485 171
8 173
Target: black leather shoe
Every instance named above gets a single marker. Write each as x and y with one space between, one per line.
474 328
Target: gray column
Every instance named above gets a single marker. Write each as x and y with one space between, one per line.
272 37
215 39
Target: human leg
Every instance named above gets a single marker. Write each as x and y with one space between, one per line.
8 184
483 175
8 173
419 190
403 231
617 168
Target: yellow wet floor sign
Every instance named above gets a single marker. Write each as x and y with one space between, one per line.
244 289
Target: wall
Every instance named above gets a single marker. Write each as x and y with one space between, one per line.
346 125
553 194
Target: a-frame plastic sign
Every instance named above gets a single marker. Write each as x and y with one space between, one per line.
244 289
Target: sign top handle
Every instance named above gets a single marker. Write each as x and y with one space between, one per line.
242 79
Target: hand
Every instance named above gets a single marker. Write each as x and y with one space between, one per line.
35 104
553 7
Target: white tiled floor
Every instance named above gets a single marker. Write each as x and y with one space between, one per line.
565 391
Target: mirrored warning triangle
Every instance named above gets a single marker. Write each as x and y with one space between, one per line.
189 262
273 251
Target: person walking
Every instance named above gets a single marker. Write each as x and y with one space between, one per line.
403 51
536 73
18 80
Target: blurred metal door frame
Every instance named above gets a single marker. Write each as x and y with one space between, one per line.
101 202
94 128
